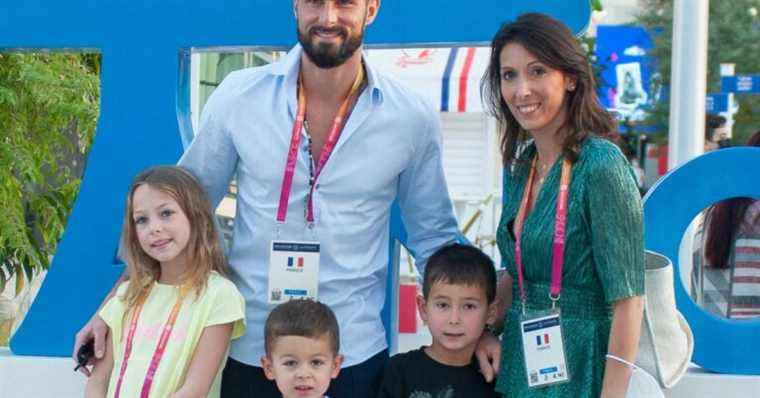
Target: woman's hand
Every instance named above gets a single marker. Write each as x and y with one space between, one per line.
616 378
488 352
624 343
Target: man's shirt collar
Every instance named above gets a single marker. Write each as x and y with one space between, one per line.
289 64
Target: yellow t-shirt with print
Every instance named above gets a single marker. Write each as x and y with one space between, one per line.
219 303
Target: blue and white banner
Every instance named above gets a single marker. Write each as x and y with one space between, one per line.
740 84
627 70
716 103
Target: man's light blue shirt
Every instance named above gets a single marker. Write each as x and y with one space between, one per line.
389 148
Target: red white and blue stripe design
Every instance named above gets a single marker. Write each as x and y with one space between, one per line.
542 339
298 261
447 77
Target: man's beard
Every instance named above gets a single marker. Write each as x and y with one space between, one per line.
330 55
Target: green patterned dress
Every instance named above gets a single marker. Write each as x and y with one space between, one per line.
604 262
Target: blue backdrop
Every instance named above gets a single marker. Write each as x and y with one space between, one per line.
145 110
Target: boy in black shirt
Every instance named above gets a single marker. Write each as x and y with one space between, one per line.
457 303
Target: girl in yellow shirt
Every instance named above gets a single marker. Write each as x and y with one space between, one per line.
171 323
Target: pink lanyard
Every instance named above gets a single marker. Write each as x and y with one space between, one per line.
558 246
327 148
160 348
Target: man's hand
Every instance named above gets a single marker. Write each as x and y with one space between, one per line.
96 329
488 353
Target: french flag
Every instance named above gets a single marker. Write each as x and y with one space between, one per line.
542 340
454 93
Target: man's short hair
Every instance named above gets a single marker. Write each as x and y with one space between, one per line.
303 318
458 264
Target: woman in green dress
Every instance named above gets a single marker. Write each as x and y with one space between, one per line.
540 86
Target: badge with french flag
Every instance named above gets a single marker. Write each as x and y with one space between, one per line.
543 349
293 271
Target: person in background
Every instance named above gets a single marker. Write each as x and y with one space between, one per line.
571 232
629 152
732 252
716 132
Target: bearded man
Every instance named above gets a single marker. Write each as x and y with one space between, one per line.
321 145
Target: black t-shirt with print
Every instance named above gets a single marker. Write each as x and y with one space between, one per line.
415 375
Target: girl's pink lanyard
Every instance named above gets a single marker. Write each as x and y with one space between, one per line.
160 348
327 148
558 246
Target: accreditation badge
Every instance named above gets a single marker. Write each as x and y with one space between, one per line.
293 271
544 350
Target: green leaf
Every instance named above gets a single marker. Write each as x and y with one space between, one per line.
19 283
29 267
2 281
49 104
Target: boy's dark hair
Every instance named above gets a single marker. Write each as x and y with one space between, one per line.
457 264
303 318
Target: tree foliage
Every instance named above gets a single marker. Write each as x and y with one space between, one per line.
49 105
733 37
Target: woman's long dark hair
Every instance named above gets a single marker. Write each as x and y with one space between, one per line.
552 43
723 220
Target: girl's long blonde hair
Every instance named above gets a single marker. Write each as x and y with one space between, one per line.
203 251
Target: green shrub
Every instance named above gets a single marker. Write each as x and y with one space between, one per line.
49 105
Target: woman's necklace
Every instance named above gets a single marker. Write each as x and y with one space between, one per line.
542 170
